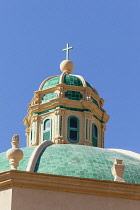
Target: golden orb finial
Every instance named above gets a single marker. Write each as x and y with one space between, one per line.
66 66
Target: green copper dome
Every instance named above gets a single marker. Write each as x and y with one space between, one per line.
78 161
86 162
68 80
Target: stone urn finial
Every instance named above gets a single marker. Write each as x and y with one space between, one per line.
14 155
118 170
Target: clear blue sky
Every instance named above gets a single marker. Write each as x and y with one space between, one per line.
105 35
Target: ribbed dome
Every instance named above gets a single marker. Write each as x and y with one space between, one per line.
79 161
72 80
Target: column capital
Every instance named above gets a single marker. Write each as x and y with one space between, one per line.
59 111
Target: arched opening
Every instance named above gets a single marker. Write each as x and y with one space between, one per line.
47 129
31 136
94 135
73 129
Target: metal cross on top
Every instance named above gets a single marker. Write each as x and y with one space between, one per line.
67 51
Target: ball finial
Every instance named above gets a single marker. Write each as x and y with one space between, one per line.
66 66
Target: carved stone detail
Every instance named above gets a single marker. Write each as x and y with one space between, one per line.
14 155
60 92
88 116
59 140
35 118
87 143
35 99
118 170
27 131
101 102
103 127
87 95
26 122
59 112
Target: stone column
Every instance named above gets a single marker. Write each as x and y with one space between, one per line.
103 129
35 130
59 127
36 120
27 133
87 129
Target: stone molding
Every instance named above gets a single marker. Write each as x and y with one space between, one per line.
87 115
24 179
101 114
59 140
35 155
59 111
40 88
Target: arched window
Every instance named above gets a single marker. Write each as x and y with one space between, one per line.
73 129
94 135
31 136
47 130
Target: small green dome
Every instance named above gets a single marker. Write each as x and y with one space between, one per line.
68 80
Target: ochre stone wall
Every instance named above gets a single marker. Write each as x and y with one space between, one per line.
31 199
6 199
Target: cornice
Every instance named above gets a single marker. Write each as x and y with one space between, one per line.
13 178
68 87
38 108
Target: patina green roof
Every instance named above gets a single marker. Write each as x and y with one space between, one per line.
78 161
51 82
72 80
68 80
86 162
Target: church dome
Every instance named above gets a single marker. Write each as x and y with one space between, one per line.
79 161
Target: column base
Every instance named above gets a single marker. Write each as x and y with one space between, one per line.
59 140
87 142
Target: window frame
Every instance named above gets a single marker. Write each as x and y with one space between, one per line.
50 130
95 138
31 136
73 129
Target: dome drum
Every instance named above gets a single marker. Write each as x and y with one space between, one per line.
61 131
